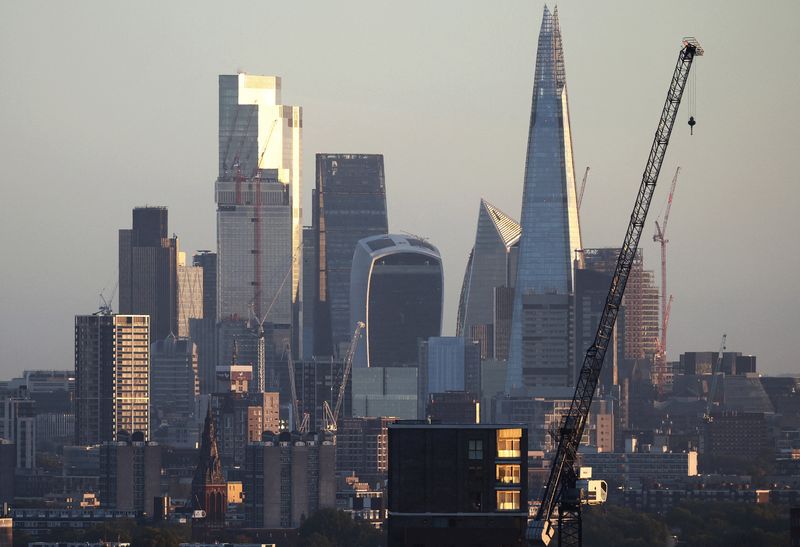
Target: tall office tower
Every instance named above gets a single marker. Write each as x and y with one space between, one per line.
148 259
287 478
492 264
173 379
550 229
309 291
396 289
112 362
203 332
448 363
258 133
254 249
18 425
189 284
640 303
130 475
349 204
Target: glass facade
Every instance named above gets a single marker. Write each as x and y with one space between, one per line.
257 133
550 228
396 289
349 204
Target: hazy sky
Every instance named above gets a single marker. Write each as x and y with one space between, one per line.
107 105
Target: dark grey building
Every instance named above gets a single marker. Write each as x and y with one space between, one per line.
130 475
287 478
457 484
148 271
448 363
396 289
173 379
349 204
203 332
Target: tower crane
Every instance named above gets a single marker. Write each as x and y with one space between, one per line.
583 187
332 417
712 390
660 236
563 494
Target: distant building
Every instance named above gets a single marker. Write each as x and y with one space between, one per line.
348 204
130 475
288 478
310 296
459 485
203 332
492 264
633 469
258 195
396 289
243 415
362 448
174 381
385 391
550 229
454 407
448 363
148 260
189 286
18 425
640 303
112 367
732 438
8 464
704 362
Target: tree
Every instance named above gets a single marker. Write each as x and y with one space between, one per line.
332 528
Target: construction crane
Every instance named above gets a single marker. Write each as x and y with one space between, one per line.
562 497
332 417
303 427
660 236
583 187
712 390
658 373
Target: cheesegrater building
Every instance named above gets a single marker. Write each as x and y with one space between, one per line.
542 329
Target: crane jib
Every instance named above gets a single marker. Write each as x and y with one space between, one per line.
559 490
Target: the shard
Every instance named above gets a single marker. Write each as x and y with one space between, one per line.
543 325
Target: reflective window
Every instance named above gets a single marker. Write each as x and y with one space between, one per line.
508 500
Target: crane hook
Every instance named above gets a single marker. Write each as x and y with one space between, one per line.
692 123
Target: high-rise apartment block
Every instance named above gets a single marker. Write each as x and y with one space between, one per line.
542 328
112 386
287 478
482 313
130 475
258 194
18 426
396 289
148 260
349 204
448 363
640 303
362 448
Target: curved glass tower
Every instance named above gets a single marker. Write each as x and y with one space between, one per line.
542 326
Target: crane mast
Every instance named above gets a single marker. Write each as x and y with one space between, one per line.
332 416
561 500
712 390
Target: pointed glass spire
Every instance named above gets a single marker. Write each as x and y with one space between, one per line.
550 228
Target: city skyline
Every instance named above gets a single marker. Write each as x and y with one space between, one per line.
716 193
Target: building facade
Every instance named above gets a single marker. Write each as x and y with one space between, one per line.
203 332
288 477
448 363
362 448
396 289
492 263
349 204
550 227
457 485
18 426
256 133
112 385
189 284
130 475
148 260
174 380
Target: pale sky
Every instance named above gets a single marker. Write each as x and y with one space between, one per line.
106 106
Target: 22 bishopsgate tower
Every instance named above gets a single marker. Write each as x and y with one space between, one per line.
542 330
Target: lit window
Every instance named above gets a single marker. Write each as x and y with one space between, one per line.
508 443
475 450
507 473
507 500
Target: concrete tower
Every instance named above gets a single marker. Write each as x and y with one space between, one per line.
542 328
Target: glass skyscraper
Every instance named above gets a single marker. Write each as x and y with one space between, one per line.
258 138
550 227
349 204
